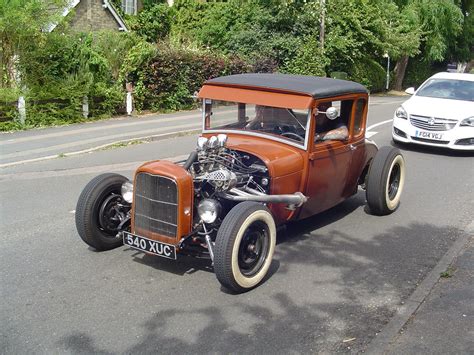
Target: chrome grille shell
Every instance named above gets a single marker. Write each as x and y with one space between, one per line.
432 123
156 204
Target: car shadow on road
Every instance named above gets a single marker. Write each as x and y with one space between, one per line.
183 265
333 293
299 230
188 264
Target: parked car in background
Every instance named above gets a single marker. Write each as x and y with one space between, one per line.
452 68
440 113
263 159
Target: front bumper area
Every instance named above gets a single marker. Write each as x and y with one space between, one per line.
458 138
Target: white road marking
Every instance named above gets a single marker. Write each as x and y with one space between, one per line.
130 166
54 156
370 134
89 150
73 211
378 124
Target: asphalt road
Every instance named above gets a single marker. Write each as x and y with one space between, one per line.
336 279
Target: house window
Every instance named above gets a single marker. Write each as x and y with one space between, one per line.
129 7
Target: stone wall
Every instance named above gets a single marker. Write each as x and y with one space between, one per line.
90 15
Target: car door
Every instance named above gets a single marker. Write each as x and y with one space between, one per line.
329 167
357 146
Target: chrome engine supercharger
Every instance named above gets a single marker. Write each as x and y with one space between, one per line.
225 174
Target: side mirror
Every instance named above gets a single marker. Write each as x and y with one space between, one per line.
410 91
332 113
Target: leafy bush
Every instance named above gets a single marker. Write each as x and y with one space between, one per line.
175 74
8 109
164 78
369 73
256 32
153 23
58 72
309 59
339 75
418 70
113 46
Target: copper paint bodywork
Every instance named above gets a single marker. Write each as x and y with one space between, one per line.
185 187
275 99
327 172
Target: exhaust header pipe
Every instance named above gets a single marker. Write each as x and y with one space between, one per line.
292 200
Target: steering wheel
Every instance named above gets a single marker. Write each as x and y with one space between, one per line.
292 135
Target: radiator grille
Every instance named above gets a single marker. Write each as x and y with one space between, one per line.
432 123
156 204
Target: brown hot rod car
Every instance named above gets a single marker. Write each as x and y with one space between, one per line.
264 158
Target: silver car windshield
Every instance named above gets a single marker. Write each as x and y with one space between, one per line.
448 89
285 123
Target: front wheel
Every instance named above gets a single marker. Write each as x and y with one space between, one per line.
385 181
244 246
101 212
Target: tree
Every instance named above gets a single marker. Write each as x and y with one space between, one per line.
462 49
440 22
23 21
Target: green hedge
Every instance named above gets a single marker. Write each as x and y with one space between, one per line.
167 79
8 109
63 68
369 73
418 70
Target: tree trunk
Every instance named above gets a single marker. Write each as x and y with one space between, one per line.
469 66
322 29
400 69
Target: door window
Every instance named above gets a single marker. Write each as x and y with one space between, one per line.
336 129
359 117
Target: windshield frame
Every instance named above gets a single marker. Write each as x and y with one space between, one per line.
303 145
432 80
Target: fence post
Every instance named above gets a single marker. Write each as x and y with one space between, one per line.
129 101
85 107
22 109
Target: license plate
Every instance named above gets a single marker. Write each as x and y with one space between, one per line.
150 246
429 135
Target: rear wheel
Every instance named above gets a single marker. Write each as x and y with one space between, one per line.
244 246
385 181
101 212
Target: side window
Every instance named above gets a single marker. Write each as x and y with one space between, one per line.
333 129
359 116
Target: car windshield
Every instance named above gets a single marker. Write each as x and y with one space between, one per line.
281 123
448 89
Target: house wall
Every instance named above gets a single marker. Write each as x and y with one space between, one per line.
91 16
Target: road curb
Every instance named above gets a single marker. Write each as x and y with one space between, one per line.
383 340
152 138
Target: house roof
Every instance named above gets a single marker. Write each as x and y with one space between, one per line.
317 87
105 4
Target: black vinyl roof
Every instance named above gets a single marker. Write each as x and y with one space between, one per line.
317 87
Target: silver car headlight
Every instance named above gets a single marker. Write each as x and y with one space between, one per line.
401 113
127 191
208 210
468 122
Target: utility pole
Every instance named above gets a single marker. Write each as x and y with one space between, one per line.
386 55
321 26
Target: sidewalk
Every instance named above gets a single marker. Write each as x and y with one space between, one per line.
24 146
444 323
438 317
